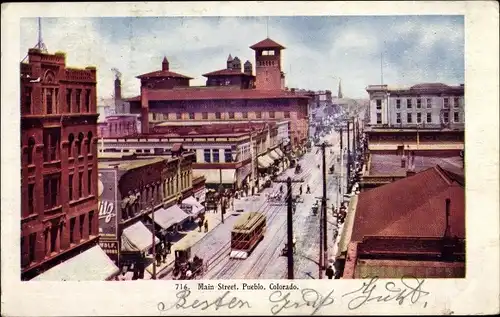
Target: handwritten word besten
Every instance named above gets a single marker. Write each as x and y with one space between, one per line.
310 298
411 289
184 302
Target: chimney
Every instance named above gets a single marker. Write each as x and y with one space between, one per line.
448 245
165 65
118 89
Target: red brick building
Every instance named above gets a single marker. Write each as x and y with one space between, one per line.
59 216
411 227
230 94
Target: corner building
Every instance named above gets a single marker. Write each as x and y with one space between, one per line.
59 216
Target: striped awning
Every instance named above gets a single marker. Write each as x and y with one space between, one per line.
273 155
278 150
264 161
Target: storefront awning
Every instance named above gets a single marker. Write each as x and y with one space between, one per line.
243 173
280 153
137 238
166 218
274 155
196 206
264 161
213 176
90 265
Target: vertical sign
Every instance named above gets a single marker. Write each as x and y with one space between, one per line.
108 208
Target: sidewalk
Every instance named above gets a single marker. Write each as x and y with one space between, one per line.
194 235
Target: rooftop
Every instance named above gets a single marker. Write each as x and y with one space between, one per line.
390 164
220 94
163 74
400 268
127 165
227 72
412 207
218 122
267 43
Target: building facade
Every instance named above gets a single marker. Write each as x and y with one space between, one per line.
118 125
59 216
130 190
432 105
230 94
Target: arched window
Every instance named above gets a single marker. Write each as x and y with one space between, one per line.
71 139
31 147
80 143
89 142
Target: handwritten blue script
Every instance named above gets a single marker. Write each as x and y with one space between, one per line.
410 288
309 297
184 302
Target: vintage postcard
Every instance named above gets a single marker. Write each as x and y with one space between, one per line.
300 158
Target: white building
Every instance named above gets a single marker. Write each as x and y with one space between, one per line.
433 105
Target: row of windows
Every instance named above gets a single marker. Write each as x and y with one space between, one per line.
52 238
218 115
409 117
409 103
52 149
212 155
50 100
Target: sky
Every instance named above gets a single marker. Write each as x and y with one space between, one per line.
320 50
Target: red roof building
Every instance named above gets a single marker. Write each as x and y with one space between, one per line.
230 94
414 226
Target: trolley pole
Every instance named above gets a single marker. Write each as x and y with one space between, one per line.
289 223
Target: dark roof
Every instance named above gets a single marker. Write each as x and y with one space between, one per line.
227 72
163 73
229 58
267 43
248 62
220 94
411 207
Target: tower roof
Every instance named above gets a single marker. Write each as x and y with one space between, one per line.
236 59
248 62
165 60
229 58
267 43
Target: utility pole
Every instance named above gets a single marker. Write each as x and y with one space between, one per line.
222 202
323 217
348 154
153 276
289 223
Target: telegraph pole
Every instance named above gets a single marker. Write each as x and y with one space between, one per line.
153 276
289 223
323 217
222 201
348 155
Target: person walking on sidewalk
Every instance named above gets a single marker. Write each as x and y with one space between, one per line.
168 247
300 190
200 224
329 272
206 225
308 191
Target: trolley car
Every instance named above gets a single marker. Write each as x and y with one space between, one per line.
247 232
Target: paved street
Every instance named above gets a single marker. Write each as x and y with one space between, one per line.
266 262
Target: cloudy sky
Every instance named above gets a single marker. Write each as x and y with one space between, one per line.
319 50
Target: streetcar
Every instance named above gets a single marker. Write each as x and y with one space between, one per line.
247 232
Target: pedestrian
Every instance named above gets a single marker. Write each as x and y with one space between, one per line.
168 247
329 272
200 224
158 257
281 189
206 225
308 191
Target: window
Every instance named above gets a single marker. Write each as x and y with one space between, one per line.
408 103
91 220
379 104
32 245
429 117
231 115
446 117
78 100
178 115
429 103
446 103
287 114
245 115
79 143
80 185
456 102
71 138
258 115
72 223
153 116
419 103
89 182
419 117
215 155
456 117
228 155
398 103
50 192
31 148
31 196
217 115
398 117
82 222
53 238
204 115
70 187
27 99
408 118
87 101
272 114
49 101
89 143
206 154
68 100
379 118
191 116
